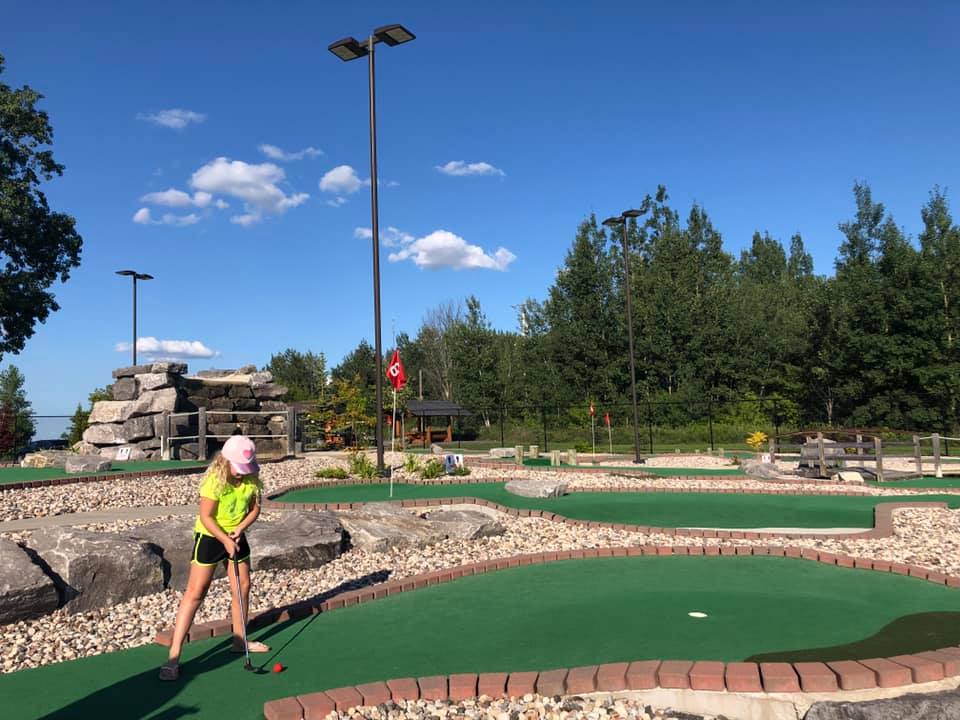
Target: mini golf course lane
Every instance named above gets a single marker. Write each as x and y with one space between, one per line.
17 474
662 472
720 510
561 614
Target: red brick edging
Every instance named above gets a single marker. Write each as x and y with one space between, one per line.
744 677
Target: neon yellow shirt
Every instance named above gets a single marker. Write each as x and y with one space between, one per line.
233 502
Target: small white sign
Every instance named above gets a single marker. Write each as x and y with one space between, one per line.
123 453
452 462
764 457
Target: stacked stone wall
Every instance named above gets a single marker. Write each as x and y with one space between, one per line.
144 394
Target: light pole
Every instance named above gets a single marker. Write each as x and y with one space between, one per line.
136 276
350 49
611 222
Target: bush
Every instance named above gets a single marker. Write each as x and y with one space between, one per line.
582 447
431 470
361 466
411 463
332 473
461 471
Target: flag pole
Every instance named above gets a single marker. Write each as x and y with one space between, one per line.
593 434
610 434
393 438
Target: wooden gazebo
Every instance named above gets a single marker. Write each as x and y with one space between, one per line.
425 411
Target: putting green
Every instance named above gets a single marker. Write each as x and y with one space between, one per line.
17 474
718 510
924 482
662 472
579 612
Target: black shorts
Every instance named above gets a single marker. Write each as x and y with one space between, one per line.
208 550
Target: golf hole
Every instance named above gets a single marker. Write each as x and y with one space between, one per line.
697 614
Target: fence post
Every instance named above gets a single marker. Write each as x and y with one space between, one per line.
860 449
543 416
710 422
937 470
776 418
878 451
291 431
502 442
821 456
165 435
773 450
202 434
918 458
650 424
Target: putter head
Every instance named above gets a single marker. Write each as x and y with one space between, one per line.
248 666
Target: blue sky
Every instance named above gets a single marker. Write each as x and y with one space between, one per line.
764 113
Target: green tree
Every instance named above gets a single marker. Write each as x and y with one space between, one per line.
359 366
303 373
18 426
37 246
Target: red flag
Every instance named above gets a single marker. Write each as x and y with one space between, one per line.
593 410
395 372
606 419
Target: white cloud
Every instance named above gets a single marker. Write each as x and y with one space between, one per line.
143 217
256 185
337 201
342 180
389 237
177 198
460 168
176 118
275 153
221 204
150 346
443 249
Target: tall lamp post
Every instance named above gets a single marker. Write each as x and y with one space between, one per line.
611 222
351 49
136 276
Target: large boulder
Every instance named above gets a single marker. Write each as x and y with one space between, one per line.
537 488
45 459
124 389
97 570
298 540
173 541
111 411
465 524
138 428
380 526
149 402
25 590
154 381
913 706
503 452
157 367
110 453
269 391
105 434
764 470
87 464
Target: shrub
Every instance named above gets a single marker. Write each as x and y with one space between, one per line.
361 466
431 470
411 463
332 473
461 471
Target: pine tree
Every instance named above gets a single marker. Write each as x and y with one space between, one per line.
19 425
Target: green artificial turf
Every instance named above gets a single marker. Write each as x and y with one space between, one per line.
17 474
662 472
562 614
718 510
924 482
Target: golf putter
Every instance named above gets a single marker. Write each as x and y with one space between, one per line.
247 665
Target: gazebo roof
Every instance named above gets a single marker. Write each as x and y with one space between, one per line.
435 408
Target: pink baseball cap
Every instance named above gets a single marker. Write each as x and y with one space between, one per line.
242 454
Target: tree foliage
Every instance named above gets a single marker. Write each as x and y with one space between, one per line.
37 246
16 422
303 373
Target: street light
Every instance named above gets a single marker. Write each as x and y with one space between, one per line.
611 222
351 49
136 276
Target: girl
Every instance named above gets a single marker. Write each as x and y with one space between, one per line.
229 504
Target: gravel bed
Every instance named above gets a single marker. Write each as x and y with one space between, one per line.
926 537
529 707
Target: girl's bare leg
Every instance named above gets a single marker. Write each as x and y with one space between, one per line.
238 619
197 586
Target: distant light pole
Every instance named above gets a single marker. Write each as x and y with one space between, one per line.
351 49
136 276
611 222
